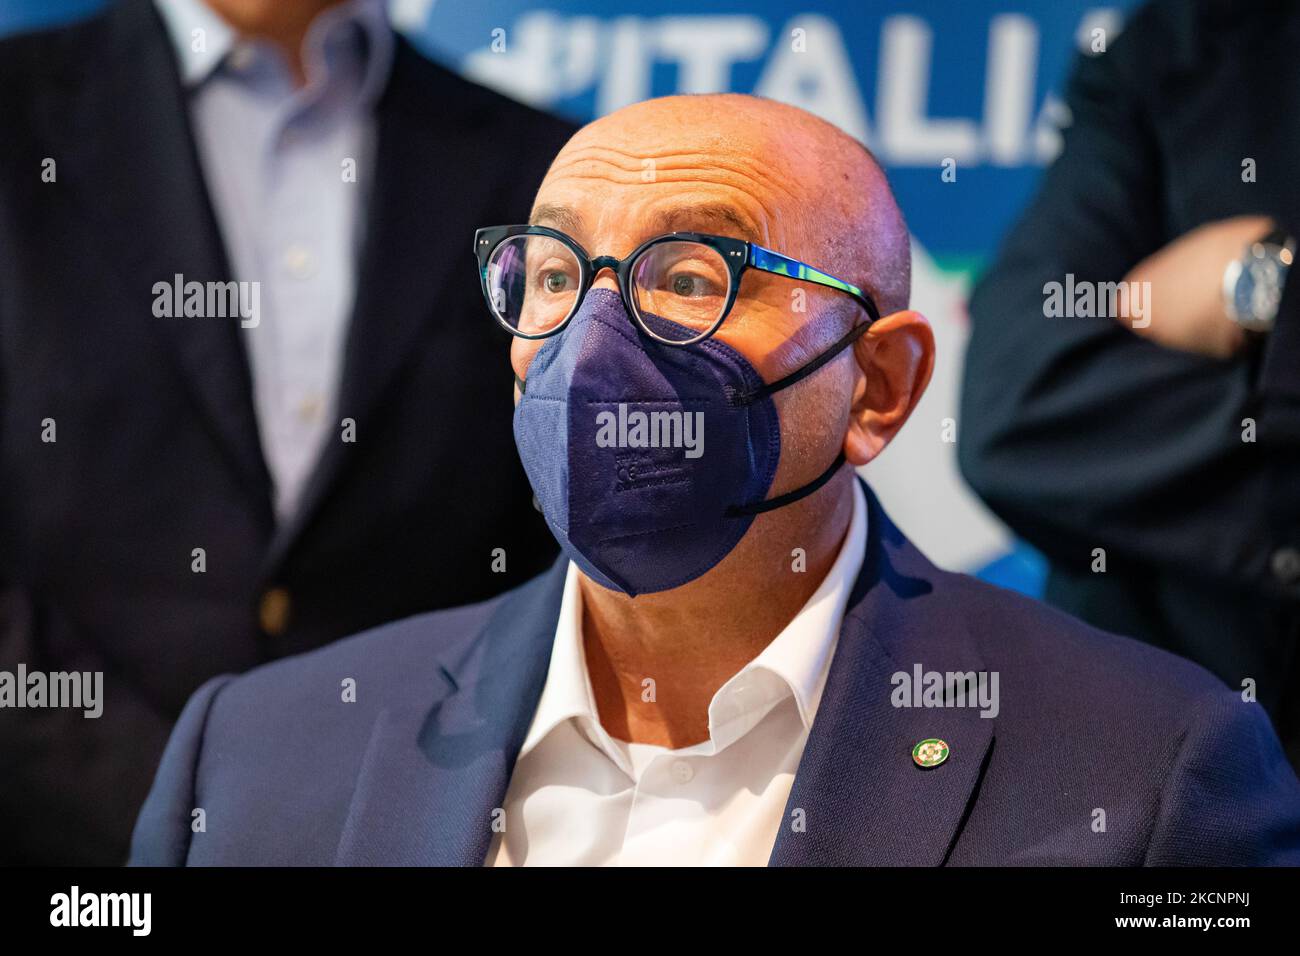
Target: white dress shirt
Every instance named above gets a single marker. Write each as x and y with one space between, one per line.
274 159
579 797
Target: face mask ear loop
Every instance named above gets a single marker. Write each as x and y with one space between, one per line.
736 398
790 497
739 399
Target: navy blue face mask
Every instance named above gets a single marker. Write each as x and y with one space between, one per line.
650 461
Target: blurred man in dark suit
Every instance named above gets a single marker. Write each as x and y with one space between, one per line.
247 402
1152 449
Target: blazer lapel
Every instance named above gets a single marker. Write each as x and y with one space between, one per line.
859 796
427 192
431 778
136 172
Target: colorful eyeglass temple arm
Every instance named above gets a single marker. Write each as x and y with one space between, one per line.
774 262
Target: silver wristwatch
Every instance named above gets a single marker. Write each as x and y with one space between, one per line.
1252 285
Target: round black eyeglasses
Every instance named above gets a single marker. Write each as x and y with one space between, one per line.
678 287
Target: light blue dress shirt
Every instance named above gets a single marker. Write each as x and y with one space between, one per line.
287 170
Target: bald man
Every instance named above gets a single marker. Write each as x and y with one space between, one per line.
738 659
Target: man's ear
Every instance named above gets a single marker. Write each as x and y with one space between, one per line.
895 360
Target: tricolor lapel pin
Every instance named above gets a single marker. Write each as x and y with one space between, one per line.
930 753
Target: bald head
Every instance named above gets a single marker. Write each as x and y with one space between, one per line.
802 185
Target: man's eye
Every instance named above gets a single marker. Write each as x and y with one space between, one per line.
555 279
690 286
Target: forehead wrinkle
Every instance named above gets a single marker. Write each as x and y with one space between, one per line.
608 155
738 177
668 161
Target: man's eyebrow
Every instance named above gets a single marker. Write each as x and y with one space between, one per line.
558 217
707 217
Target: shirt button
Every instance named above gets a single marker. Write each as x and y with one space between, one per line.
299 262
1286 565
310 409
273 611
682 771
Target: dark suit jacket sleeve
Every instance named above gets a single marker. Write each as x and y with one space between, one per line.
163 830
1232 799
1078 432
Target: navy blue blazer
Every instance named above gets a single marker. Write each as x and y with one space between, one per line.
1103 750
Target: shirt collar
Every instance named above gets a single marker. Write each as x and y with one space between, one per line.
567 693
795 663
190 21
199 36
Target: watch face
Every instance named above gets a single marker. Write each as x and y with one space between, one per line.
1258 289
